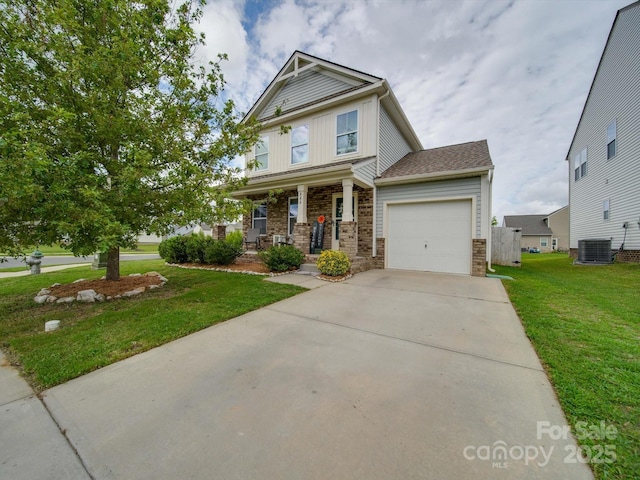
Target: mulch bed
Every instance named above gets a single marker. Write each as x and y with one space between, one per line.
238 267
107 288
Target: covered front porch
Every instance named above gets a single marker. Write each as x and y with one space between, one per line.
289 216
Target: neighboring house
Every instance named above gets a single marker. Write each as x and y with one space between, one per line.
348 153
544 232
558 222
604 156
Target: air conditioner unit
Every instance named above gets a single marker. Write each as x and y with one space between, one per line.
594 251
279 239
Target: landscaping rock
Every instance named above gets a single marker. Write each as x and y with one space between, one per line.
66 300
135 274
86 296
51 325
52 299
44 291
135 291
100 297
77 281
56 284
41 298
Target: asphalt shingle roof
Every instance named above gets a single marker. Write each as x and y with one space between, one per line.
443 159
530 224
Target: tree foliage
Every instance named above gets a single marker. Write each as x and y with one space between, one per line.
108 128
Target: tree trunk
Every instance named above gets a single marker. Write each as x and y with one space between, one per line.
113 264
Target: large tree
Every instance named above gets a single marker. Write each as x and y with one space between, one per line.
108 128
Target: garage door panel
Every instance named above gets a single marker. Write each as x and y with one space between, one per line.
430 236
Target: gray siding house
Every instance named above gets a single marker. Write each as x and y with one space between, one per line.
350 160
544 232
604 155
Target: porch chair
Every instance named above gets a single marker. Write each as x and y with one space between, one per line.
252 238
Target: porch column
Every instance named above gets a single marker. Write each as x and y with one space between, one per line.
302 203
219 232
347 200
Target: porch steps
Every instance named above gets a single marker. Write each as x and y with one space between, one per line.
308 269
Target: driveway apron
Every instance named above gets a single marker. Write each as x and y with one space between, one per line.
391 374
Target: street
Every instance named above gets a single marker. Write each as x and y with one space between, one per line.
70 259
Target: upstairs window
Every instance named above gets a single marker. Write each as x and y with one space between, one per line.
347 133
605 209
262 153
580 164
259 218
300 145
611 140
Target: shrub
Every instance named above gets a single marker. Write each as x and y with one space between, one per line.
333 263
173 250
281 258
235 238
195 247
222 252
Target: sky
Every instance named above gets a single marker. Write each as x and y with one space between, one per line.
513 72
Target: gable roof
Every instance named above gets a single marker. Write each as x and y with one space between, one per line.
530 224
302 64
604 50
555 212
469 157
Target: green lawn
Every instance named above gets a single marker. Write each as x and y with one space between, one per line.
96 335
584 322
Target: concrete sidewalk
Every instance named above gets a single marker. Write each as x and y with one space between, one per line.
387 375
31 444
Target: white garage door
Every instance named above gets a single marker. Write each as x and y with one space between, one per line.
430 236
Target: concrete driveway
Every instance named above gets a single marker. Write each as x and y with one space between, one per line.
388 375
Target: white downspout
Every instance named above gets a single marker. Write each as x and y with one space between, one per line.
374 243
489 237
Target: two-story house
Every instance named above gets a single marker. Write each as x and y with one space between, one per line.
604 156
349 159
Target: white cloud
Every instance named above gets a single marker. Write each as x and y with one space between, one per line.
514 72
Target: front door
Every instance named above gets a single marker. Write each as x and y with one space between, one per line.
337 217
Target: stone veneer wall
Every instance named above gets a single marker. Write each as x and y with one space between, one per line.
319 202
479 257
219 232
349 238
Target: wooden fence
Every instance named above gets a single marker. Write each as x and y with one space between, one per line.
505 246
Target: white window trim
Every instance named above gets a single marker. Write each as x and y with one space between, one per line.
292 146
255 153
580 159
253 218
358 133
613 122
546 242
289 217
606 210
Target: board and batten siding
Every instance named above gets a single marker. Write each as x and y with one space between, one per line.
307 87
393 145
440 190
322 138
615 95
